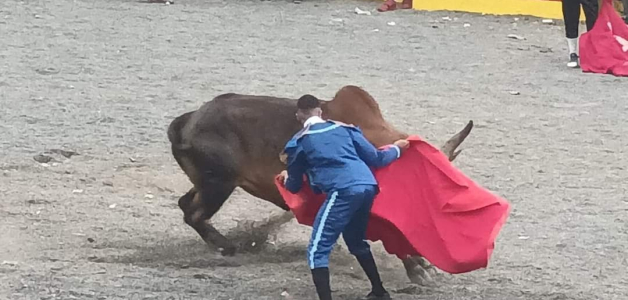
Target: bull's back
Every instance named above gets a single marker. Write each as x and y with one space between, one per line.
257 127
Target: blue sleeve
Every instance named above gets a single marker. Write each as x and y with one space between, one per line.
297 165
369 154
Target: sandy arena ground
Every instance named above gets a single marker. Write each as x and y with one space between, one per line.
105 78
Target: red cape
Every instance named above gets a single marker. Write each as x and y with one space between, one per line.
604 49
427 207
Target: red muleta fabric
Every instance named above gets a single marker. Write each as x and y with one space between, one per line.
604 49
425 206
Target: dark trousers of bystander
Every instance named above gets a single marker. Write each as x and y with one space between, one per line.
571 15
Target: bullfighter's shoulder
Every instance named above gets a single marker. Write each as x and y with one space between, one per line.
294 141
343 124
350 127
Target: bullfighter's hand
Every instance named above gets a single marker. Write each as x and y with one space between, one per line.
402 144
283 176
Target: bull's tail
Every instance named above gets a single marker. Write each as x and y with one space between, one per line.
174 131
182 151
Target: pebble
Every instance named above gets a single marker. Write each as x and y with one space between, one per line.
517 37
64 153
362 12
40 158
47 71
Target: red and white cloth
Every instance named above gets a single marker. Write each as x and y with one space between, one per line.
425 206
604 49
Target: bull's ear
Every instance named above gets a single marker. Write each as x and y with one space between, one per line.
283 157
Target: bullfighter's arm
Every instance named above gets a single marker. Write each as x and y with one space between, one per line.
296 168
369 154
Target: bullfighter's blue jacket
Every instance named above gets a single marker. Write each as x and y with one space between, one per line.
334 156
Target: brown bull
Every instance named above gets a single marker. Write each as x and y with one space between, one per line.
235 141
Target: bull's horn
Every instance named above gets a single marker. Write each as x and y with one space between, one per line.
449 148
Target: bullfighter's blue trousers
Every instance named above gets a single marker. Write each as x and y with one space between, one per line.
344 211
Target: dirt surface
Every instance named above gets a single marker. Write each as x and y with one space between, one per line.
105 78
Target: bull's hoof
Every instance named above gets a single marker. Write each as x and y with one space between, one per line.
421 280
427 266
420 276
228 251
432 270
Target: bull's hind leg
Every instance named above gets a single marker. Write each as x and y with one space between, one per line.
199 206
210 165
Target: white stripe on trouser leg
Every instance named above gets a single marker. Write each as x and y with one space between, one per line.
321 226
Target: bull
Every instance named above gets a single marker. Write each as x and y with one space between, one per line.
235 141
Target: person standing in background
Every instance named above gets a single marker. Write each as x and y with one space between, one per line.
571 16
390 5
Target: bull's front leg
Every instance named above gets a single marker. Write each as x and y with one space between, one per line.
418 270
417 267
199 207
